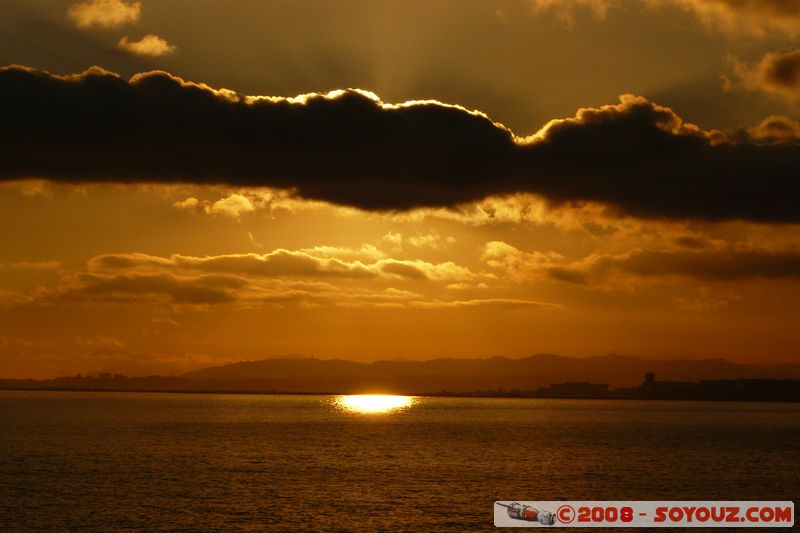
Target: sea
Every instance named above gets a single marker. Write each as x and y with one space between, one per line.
112 461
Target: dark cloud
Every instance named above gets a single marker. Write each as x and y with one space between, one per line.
687 241
349 148
784 70
567 275
644 160
708 265
404 270
718 265
128 288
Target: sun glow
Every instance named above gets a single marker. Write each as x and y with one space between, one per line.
373 403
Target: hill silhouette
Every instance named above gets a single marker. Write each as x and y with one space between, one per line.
306 374
463 375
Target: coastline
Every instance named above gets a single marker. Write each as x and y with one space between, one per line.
477 394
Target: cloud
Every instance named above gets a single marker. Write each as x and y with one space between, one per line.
278 279
711 265
720 265
687 241
278 263
775 129
239 201
365 252
691 258
566 9
318 262
349 148
507 303
126 288
104 13
432 239
515 209
518 265
232 206
182 289
750 17
394 239
777 74
423 270
189 204
149 45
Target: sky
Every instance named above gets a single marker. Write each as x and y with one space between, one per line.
188 183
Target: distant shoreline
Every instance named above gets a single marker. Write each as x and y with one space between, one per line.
497 395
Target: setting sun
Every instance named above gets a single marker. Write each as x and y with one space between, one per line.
373 403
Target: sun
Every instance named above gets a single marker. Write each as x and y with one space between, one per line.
373 403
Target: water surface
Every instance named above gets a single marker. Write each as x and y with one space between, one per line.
142 461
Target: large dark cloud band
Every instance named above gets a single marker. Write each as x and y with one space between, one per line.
349 148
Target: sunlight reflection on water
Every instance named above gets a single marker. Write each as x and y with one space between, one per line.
373 403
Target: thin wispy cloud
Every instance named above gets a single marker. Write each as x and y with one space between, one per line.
759 18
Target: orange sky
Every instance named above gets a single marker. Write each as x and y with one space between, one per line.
172 275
